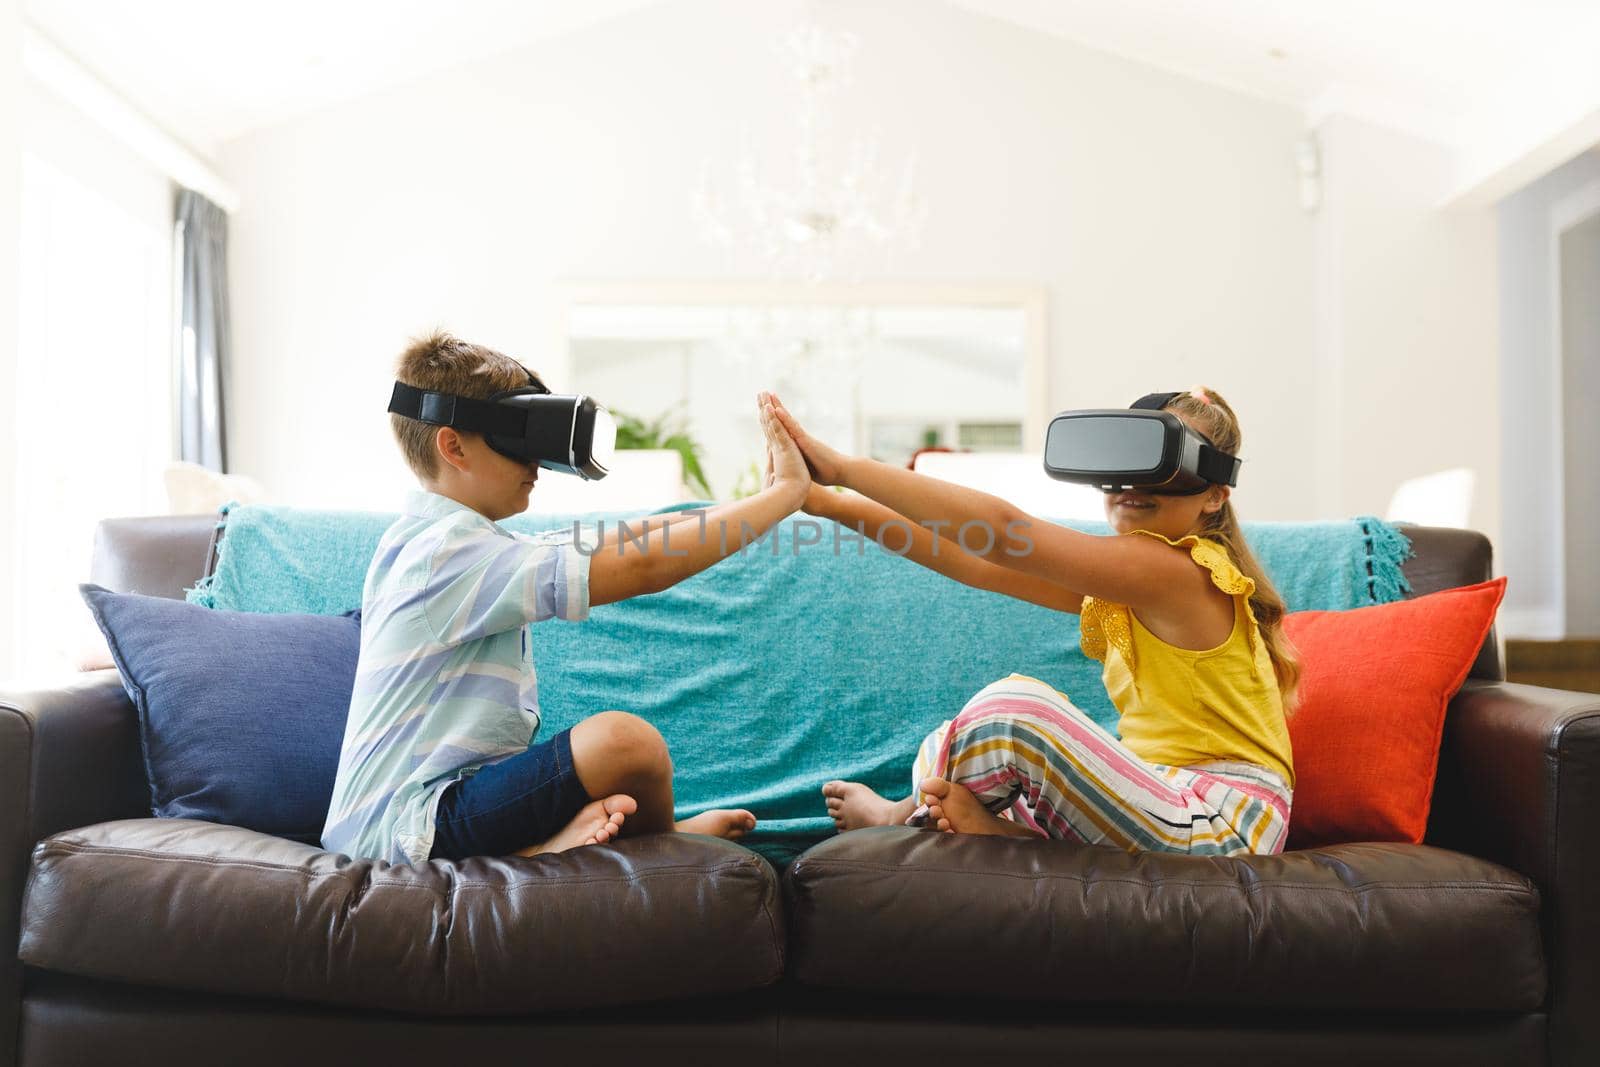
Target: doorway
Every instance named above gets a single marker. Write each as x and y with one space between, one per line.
1578 337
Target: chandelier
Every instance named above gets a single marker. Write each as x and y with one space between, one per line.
831 212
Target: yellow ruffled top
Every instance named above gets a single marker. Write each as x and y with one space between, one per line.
1181 706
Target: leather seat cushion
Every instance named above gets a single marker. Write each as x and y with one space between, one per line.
1372 926
202 906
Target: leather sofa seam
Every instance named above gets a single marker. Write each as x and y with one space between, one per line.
1102 880
62 848
779 940
530 882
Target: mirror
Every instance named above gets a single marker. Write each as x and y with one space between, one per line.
877 371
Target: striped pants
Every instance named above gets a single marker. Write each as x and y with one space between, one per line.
1029 755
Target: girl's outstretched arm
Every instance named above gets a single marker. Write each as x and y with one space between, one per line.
939 505
876 522
1137 571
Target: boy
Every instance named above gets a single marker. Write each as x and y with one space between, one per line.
438 760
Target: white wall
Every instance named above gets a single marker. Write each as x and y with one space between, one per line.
10 216
1533 545
1407 365
1161 214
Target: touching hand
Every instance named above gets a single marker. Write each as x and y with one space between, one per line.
820 501
785 464
826 462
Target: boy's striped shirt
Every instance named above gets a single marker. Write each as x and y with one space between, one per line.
445 681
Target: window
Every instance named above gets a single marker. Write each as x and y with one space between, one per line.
94 417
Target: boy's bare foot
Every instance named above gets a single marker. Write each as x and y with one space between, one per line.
719 822
852 805
596 823
953 809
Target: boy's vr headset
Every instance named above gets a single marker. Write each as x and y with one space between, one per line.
566 433
1143 448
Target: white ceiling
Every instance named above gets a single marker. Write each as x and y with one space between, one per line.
211 70
1433 66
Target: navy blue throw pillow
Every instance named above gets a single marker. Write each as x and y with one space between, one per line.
241 715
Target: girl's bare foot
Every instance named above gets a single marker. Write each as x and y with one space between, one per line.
852 805
596 823
719 822
953 809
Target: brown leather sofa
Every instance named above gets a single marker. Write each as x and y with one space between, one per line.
170 942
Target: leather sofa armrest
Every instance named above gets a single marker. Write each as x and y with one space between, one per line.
69 756
84 763
1519 783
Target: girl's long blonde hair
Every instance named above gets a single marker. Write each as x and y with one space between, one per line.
1212 416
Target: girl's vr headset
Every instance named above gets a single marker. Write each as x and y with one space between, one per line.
1143 448
567 433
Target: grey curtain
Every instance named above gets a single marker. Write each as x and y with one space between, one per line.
203 341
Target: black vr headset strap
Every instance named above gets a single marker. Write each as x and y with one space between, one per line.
1217 467
1213 464
460 412
1152 401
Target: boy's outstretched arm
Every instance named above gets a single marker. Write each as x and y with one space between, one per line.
656 560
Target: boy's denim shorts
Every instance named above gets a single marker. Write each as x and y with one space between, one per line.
510 805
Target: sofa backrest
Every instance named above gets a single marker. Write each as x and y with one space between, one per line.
775 671
164 555
158 555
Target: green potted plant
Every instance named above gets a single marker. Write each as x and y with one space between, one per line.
667 430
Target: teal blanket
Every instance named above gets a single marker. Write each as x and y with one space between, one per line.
784 667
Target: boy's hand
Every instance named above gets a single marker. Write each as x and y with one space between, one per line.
785 465
820 501
825 462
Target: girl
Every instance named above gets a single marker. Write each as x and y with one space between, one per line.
1175 606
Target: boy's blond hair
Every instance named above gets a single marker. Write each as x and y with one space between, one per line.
442 363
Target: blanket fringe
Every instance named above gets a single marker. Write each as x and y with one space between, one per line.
1387 548
201 592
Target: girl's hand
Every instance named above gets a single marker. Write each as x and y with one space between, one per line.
819 499
826 463
785 465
